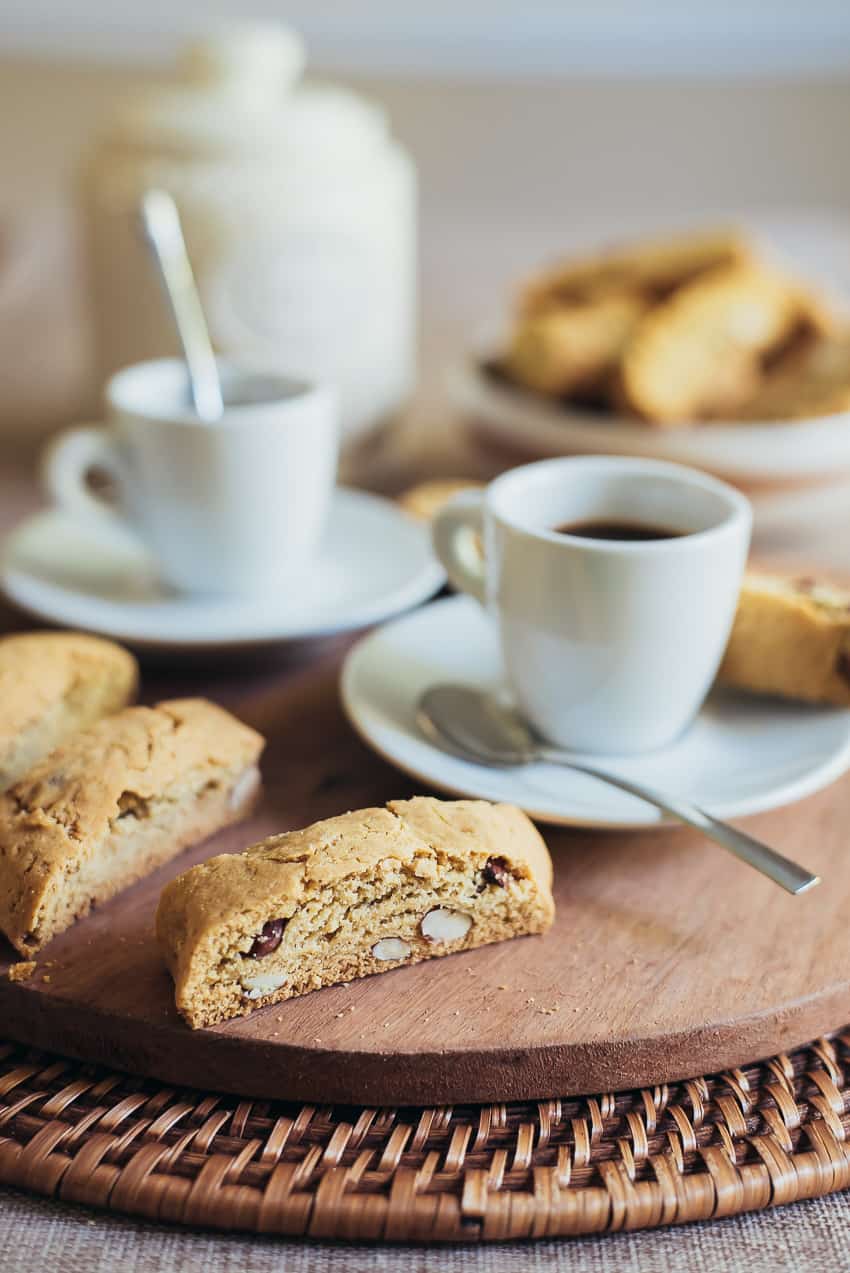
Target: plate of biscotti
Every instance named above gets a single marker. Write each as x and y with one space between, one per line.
699 348
207 895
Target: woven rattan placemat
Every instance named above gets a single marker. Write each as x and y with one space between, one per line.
714 1146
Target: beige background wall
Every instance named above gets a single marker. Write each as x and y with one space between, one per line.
511 171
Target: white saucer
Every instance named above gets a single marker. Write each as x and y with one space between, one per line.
375 562
742 755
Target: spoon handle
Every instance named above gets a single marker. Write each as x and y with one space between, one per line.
161 222
790 876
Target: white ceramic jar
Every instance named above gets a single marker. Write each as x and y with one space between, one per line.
299 212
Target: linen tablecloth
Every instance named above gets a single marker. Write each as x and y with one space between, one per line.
37 1234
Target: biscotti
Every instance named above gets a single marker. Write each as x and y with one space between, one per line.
791 637
652 269
350 896
51 684
573 347
424 500
698 353
112 804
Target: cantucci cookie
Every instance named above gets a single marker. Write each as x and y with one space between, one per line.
653 267
350 896
572 348
113 803
425 500
51 684
791 637
814 382
676 366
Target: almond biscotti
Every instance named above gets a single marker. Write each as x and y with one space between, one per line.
350 896
51 684
814 382
791 637
424 500
113 803
697 354
572 348
652 268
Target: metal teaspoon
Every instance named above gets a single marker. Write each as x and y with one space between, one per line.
164 233
471 723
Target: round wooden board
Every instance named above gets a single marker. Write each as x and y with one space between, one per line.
668 957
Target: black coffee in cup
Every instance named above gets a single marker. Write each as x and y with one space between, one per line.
636 531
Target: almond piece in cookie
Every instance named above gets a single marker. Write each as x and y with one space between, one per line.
675 367
791 637
51 684
112 804
350 896
572 348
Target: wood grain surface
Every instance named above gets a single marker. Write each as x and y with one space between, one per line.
667 959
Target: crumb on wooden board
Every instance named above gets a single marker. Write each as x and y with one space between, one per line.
21 971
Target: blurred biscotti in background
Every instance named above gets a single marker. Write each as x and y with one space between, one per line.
812 381
678 331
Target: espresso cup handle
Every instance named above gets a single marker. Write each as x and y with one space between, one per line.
66 466
457 533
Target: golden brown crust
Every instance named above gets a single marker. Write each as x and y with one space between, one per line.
51 684
374 866
68 822
791 637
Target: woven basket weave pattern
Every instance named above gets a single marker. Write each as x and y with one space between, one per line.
740 1141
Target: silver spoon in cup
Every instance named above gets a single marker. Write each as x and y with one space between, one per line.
164 233
472 724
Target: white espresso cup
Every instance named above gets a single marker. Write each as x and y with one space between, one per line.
237 506
609 645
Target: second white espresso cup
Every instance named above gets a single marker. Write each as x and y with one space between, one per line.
236 506
609 646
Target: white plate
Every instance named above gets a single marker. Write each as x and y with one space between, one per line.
375 562
742 755
755 452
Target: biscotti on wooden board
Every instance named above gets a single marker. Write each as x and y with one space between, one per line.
113 803
791 637
353 895
51 684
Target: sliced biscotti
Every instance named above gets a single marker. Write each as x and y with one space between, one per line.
112 804
51 684
653 268
425 500
813 381
350 896
791 637
698 352
572 347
